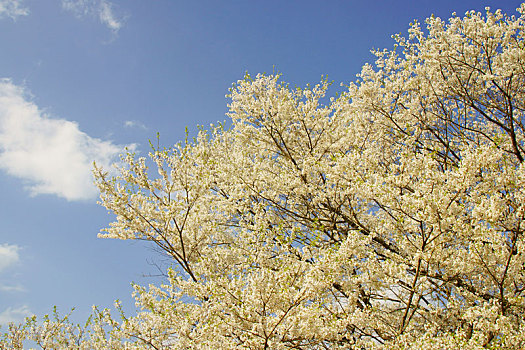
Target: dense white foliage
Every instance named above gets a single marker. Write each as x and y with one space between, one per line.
390 217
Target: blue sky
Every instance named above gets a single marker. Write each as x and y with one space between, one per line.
82 79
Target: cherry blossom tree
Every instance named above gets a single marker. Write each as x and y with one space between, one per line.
391 216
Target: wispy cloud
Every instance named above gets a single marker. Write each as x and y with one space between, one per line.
8 255
12 314
12 288
107 17
12 9
134 124
52 155
102 9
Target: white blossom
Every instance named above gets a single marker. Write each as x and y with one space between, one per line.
390 217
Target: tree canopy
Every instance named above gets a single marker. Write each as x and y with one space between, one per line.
389 216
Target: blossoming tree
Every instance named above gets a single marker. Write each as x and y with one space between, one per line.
392 216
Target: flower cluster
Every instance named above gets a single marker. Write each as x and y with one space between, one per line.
392 216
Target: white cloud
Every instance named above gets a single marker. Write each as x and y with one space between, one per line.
52 155
101 9
107 16
12 288
134 124
14 314
78 7
8 255
12 9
